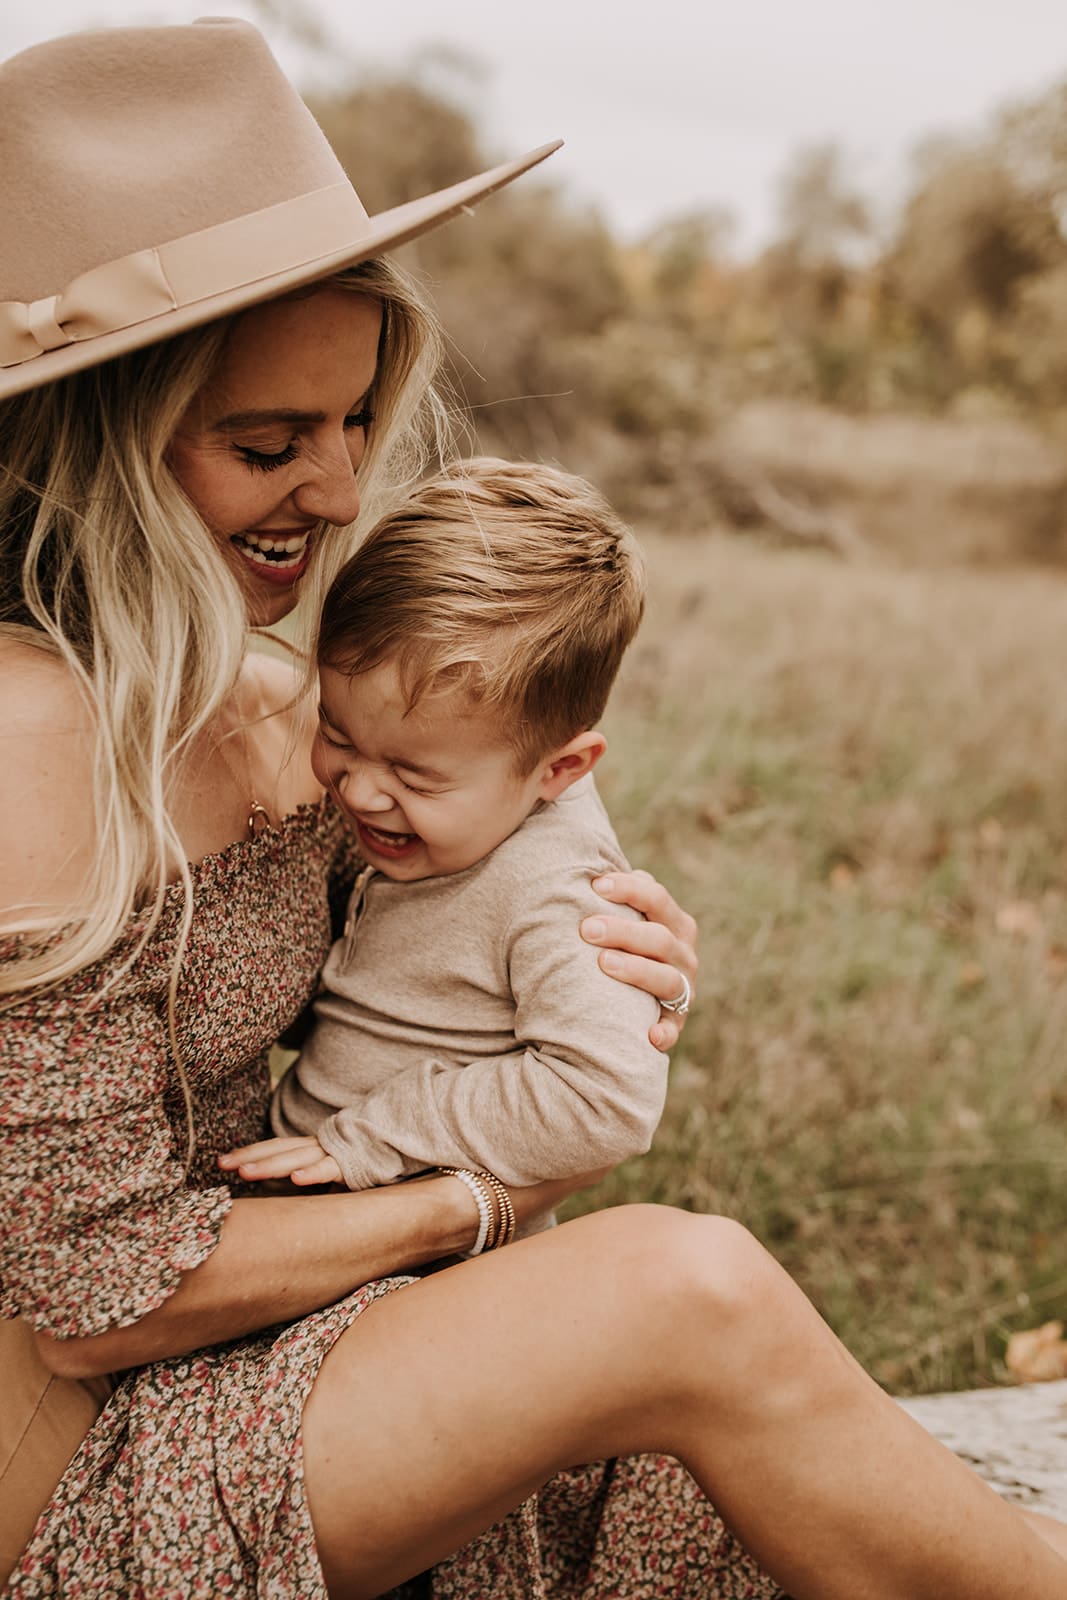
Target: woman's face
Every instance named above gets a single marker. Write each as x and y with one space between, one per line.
270 449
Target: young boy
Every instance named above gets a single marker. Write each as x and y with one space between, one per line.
466 653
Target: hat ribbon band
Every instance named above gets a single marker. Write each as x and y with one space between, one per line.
231 255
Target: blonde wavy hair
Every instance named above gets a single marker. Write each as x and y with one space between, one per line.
104 563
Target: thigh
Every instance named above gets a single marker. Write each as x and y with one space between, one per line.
447 1404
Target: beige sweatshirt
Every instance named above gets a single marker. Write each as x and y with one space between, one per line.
466 1022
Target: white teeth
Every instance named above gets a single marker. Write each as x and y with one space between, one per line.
291 544
278 553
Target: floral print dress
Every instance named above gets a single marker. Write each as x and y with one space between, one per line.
190 1483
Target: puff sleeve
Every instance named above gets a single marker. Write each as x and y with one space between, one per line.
98 1219
98 1224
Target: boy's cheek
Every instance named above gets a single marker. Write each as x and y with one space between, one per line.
321 765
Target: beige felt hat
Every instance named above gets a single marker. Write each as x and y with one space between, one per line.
154 178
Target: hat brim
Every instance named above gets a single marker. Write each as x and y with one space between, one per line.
385 231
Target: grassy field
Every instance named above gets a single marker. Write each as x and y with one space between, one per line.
855 779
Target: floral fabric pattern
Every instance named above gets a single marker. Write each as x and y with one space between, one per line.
191 1484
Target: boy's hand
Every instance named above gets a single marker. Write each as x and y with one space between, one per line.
301 1159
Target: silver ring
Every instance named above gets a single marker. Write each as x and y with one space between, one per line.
680 1005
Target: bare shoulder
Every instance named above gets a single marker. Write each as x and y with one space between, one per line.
277 682
41 687
284 729
46 757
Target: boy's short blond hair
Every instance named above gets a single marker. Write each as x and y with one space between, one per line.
510 580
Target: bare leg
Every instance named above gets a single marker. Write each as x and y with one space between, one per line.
639 1330
1047 1528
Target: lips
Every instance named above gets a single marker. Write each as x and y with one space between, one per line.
391 846
279 556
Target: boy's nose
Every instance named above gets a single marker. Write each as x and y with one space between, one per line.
362 791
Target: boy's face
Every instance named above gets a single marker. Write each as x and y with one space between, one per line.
431 791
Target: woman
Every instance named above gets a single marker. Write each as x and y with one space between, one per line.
300 1416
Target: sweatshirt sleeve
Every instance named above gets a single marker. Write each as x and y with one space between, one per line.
584 1087
98 1225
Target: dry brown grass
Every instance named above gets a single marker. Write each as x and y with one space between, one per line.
935 491
855 778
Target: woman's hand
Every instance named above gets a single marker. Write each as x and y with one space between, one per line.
658 954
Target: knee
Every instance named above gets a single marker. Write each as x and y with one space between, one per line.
700 1269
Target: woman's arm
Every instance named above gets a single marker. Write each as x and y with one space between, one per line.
279 1258
653 955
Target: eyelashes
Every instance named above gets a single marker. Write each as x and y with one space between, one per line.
270 461
264 462
336 744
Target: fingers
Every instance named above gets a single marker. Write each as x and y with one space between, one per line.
299 1158
646 894
324 1171
246 1153
651 940
665 1033
657 978
646 956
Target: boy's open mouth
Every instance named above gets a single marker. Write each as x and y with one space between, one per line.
384 843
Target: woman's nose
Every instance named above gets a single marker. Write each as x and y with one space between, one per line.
330 493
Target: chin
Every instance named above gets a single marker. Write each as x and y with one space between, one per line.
264 612
264 606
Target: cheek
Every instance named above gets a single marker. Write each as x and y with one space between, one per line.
321 765
357 447
219 488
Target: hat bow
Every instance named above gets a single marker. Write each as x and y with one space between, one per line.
120 294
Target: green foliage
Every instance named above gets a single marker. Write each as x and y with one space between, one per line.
854 779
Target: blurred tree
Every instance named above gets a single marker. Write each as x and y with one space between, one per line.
397 139
1040 333
680 253
970 236
513 287
823 219
1031 137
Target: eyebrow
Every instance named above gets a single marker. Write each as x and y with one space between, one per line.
392 761
235 421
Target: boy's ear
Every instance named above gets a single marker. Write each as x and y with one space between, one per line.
571 762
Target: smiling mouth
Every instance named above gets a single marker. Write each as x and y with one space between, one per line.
389 844
282 552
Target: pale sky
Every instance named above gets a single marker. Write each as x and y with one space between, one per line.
670 106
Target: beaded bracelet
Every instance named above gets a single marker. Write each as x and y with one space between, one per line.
483 1198
505 1231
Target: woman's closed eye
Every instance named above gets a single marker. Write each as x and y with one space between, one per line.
271 460
267 460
